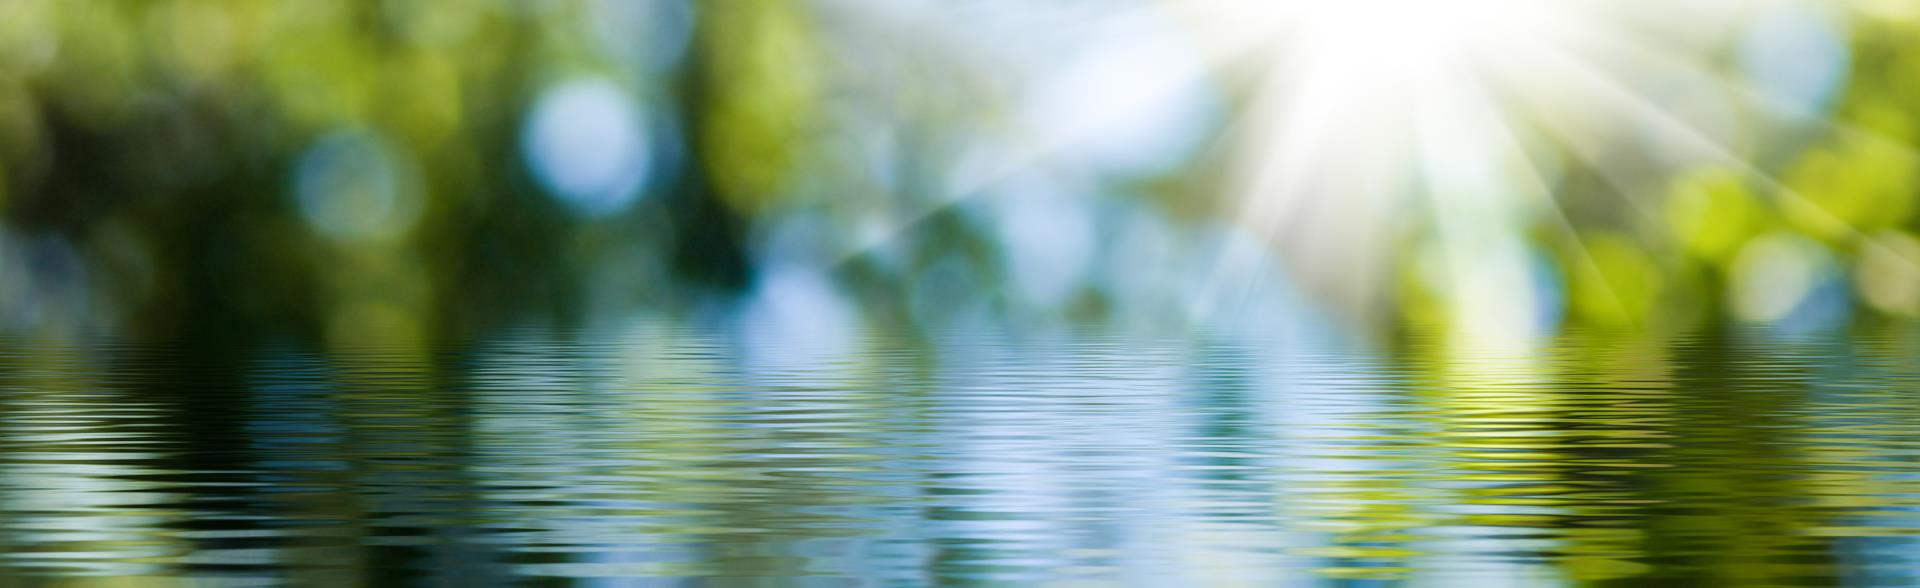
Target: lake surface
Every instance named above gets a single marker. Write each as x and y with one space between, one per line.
658 454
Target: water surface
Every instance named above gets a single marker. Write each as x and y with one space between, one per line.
657 455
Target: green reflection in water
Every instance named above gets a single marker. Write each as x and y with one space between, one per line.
667 451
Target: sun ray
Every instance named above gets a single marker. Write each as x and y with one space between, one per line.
1585 143
1035 153
1619 96
1332 131
1639 57
1533 185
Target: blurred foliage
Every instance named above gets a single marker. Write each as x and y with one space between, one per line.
1805 224
345 168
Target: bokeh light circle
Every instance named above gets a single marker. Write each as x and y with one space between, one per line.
586 143
1796 55
350 186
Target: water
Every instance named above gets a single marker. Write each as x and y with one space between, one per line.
655 455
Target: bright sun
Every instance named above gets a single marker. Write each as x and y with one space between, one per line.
1446 122
1363 110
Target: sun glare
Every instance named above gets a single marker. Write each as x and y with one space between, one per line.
1413 36
1364 110
1445 124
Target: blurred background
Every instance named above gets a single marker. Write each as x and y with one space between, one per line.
431 170
925 292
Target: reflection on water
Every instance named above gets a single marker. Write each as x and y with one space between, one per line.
673 452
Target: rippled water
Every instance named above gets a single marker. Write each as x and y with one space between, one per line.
673 453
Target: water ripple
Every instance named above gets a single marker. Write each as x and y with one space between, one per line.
668 451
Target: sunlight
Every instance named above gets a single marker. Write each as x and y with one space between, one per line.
1361 106
1419 35
1384 41
1449 125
